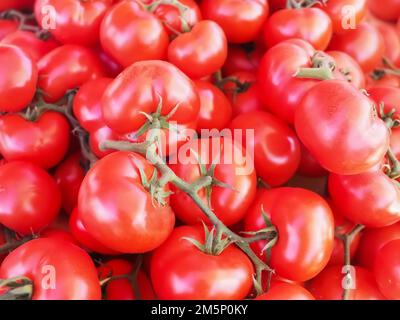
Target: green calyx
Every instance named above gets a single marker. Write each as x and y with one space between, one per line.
18 288
322 68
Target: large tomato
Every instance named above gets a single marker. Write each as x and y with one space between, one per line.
386 10
286 291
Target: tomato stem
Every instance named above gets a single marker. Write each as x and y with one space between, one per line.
394 171
19 288
296 4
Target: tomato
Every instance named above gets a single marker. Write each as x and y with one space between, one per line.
276 147
310 24
345 14
83 237
247 101
390 80
66 68
386 269
309 166
364 44
389 96
372 240
179 270
391 40
69 175
58 270
305 229
215 108
112 194
286 291
44 141
76 22
344 133
201 51
129 34
7 27
277 4
102 134
87 104
16 4
233 167
18 78
328 285
388 10
59 234
122 289
370 198
29 197
241 59
112 67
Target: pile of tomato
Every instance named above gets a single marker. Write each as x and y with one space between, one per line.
102 100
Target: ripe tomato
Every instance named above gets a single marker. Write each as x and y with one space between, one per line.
112 67
309 166
16 4
58 270
370 198
233 167
344 133
391 40
364 44
179 270
386 270
59 234
372 240
215 108
310 24
328 285
286 291
66 68
242 20
247 101
112 194
129 34
102 134
276 147
44 141
29 197
7 27
18 78
242 59
389 96
388 10
305 228
122 289
201 51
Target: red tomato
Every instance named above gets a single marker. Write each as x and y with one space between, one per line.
179 270
328 285
75 21
59 270
344 133
276 147
310 24
386 270
201 51
16 4
69 175
233 167
391 40
59 234
242 20
66 68
29 197
122 289
215 108
102 134
309 166
286 291
388 10
112 67
129 34
387 95
112 194
7 27
18 78
44 141
364 44
390 80
247 101
372 240
305 228
241 59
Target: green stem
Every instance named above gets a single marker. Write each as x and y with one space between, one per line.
19 288
322 73
394 172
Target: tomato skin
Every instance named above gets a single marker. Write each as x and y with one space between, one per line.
65 68
391 40
112 194
215 108
59 234
148 39
286 291
372 241
389 96
388 10
7 27
18 79
112 67
371 198
87 104
180 271
305 227
309 166
29 198
76 277
364 44
276 147
16 4
310 24
239 59
69 175
43 142
247 101
229 204
122 289
200 52
102 134
386 270
328 285
344 133
83 237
